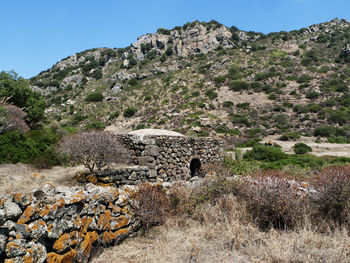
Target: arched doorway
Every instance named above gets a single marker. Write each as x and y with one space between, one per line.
195 167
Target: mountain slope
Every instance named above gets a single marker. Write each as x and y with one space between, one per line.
206 78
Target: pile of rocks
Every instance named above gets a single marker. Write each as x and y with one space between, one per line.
63 224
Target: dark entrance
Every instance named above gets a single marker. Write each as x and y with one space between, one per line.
195 167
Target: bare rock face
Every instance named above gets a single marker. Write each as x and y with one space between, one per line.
197 39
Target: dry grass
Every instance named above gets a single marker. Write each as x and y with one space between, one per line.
222 233
24 178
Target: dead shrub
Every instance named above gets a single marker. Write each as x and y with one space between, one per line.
152 205
332 200
93 149
272 201
185 200
217 168
13 118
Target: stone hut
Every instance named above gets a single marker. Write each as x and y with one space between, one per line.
161 155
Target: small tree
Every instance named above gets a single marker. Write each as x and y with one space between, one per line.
93 149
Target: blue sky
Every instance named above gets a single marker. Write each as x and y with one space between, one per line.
35 34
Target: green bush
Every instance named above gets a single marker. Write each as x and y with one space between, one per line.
95 125
301 148
265 153
211 94
227 104
97 74
129 112
29 148
290 136
326 131
219 80
94 96
20 94
238 85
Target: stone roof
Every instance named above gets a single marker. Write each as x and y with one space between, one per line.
156 132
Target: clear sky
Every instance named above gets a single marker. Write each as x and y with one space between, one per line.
35 34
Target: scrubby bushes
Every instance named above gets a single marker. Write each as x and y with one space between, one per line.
265 153
35 147
272 201
153 205
94 97
333 198
301 148
129 112
290 136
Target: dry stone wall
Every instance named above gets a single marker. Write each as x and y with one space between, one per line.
63 224
169 157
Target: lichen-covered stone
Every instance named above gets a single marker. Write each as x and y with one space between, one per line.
65 225
12 210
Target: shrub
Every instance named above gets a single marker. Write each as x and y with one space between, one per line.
16 147
325 131
97 74
238 85
301 148
152 205
12 119
94 96
227 104
219 80
312 95
92 149
114 115
332 200
208 191
169 51
129 112
265 153
211 94
21 95
290 136
95 125
272 202
338 116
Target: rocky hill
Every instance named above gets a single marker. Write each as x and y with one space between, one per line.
207 79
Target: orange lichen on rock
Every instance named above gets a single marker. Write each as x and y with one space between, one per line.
89 239
115 192
69 257
11 245
104 220
17 197
122 221
78 197
25 217
65 241
110 236
85 222
9 261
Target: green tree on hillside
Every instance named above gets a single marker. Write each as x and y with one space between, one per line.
18 92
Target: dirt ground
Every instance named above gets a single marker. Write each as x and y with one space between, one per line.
24 178
318 149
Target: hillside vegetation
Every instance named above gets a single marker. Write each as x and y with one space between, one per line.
205 79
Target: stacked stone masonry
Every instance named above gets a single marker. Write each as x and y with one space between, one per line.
63 224
169 157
